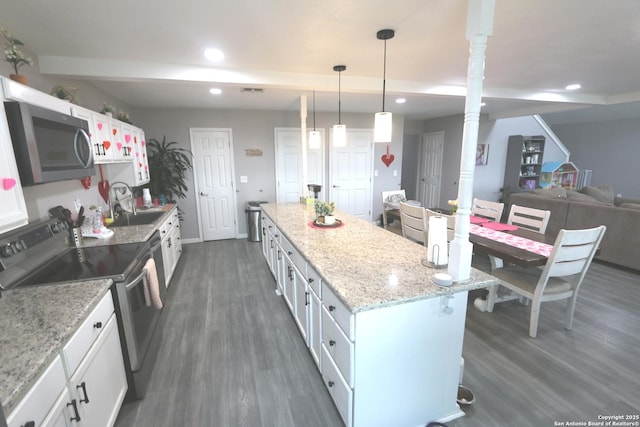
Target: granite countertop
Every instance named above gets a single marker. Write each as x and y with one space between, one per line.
131 233
37 321
367 266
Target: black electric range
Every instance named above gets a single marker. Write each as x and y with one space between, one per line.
38 254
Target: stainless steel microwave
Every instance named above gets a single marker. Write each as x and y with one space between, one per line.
48 145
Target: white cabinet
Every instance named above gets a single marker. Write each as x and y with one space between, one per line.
140 160
45 404
95 368
15 91
85 384
100 383
171 244
14 210
99 132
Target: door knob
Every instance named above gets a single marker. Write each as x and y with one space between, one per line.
336 186
203 194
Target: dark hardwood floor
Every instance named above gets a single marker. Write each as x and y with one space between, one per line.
232 356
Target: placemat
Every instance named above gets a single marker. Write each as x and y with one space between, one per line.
511 240
477 219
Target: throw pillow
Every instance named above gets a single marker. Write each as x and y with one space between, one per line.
602 193
630 205
554 193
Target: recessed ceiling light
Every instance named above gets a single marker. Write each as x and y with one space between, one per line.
215 91
214 55
574 86
401 101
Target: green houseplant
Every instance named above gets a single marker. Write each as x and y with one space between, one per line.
325 210
14 56
168 166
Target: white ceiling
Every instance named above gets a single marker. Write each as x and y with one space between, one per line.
150 53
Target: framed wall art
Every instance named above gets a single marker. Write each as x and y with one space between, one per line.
482 154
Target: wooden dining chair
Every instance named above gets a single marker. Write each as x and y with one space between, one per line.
486 209
529 218
414 222
560 278
391 204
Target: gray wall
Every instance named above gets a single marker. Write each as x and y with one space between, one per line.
255 129
610 148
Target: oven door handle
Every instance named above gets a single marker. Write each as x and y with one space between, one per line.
156 247
135 281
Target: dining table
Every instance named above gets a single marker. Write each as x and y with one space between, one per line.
511 244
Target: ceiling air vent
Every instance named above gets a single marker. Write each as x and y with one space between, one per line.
251 90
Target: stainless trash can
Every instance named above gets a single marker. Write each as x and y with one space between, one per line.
253 211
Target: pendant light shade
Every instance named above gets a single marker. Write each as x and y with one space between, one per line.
382 126
314 135
339 130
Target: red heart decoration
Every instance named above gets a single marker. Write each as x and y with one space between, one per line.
387 159
86 182
114 131
106 144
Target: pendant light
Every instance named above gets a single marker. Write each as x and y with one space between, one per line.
339 130
383 120
314 135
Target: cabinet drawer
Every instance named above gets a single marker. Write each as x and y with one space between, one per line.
339 390
294 255
338 345
338 311
314 280
84 337
41 397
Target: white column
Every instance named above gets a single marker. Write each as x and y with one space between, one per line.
303 127
479 27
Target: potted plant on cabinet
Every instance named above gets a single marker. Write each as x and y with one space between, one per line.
168 166
14 56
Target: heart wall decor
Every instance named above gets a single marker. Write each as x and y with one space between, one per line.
388 158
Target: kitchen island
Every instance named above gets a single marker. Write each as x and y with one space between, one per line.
388 340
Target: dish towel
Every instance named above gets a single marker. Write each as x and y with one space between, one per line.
151 285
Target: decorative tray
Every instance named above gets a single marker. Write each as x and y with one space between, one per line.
337 223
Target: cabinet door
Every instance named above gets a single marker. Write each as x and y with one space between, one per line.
117 141
14 210
167 257
103 138
315 326
288 284
127 141
100 383
61 413
140 161
302 305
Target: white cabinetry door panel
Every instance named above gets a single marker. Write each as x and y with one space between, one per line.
301 304
339 390
100 384
38 401
61 413
315 326
14 210
338 345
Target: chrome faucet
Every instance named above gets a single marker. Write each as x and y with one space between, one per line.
117 200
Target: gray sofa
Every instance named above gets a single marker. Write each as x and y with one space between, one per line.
587 208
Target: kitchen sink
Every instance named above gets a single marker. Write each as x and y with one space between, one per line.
144 218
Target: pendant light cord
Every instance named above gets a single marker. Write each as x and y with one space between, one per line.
314 110
339 96
384 74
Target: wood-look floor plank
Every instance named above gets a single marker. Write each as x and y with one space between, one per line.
233 356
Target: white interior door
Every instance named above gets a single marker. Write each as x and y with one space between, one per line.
351 174
213 168
430 169
289 164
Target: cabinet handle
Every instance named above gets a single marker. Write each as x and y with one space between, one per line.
83 386
279 253
75 410
330 383
332 308
332 343
30 424
310 280
306 298
97 325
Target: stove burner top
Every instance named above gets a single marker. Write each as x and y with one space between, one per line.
38 254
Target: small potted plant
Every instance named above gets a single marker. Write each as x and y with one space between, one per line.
108 110
324 210
14 56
